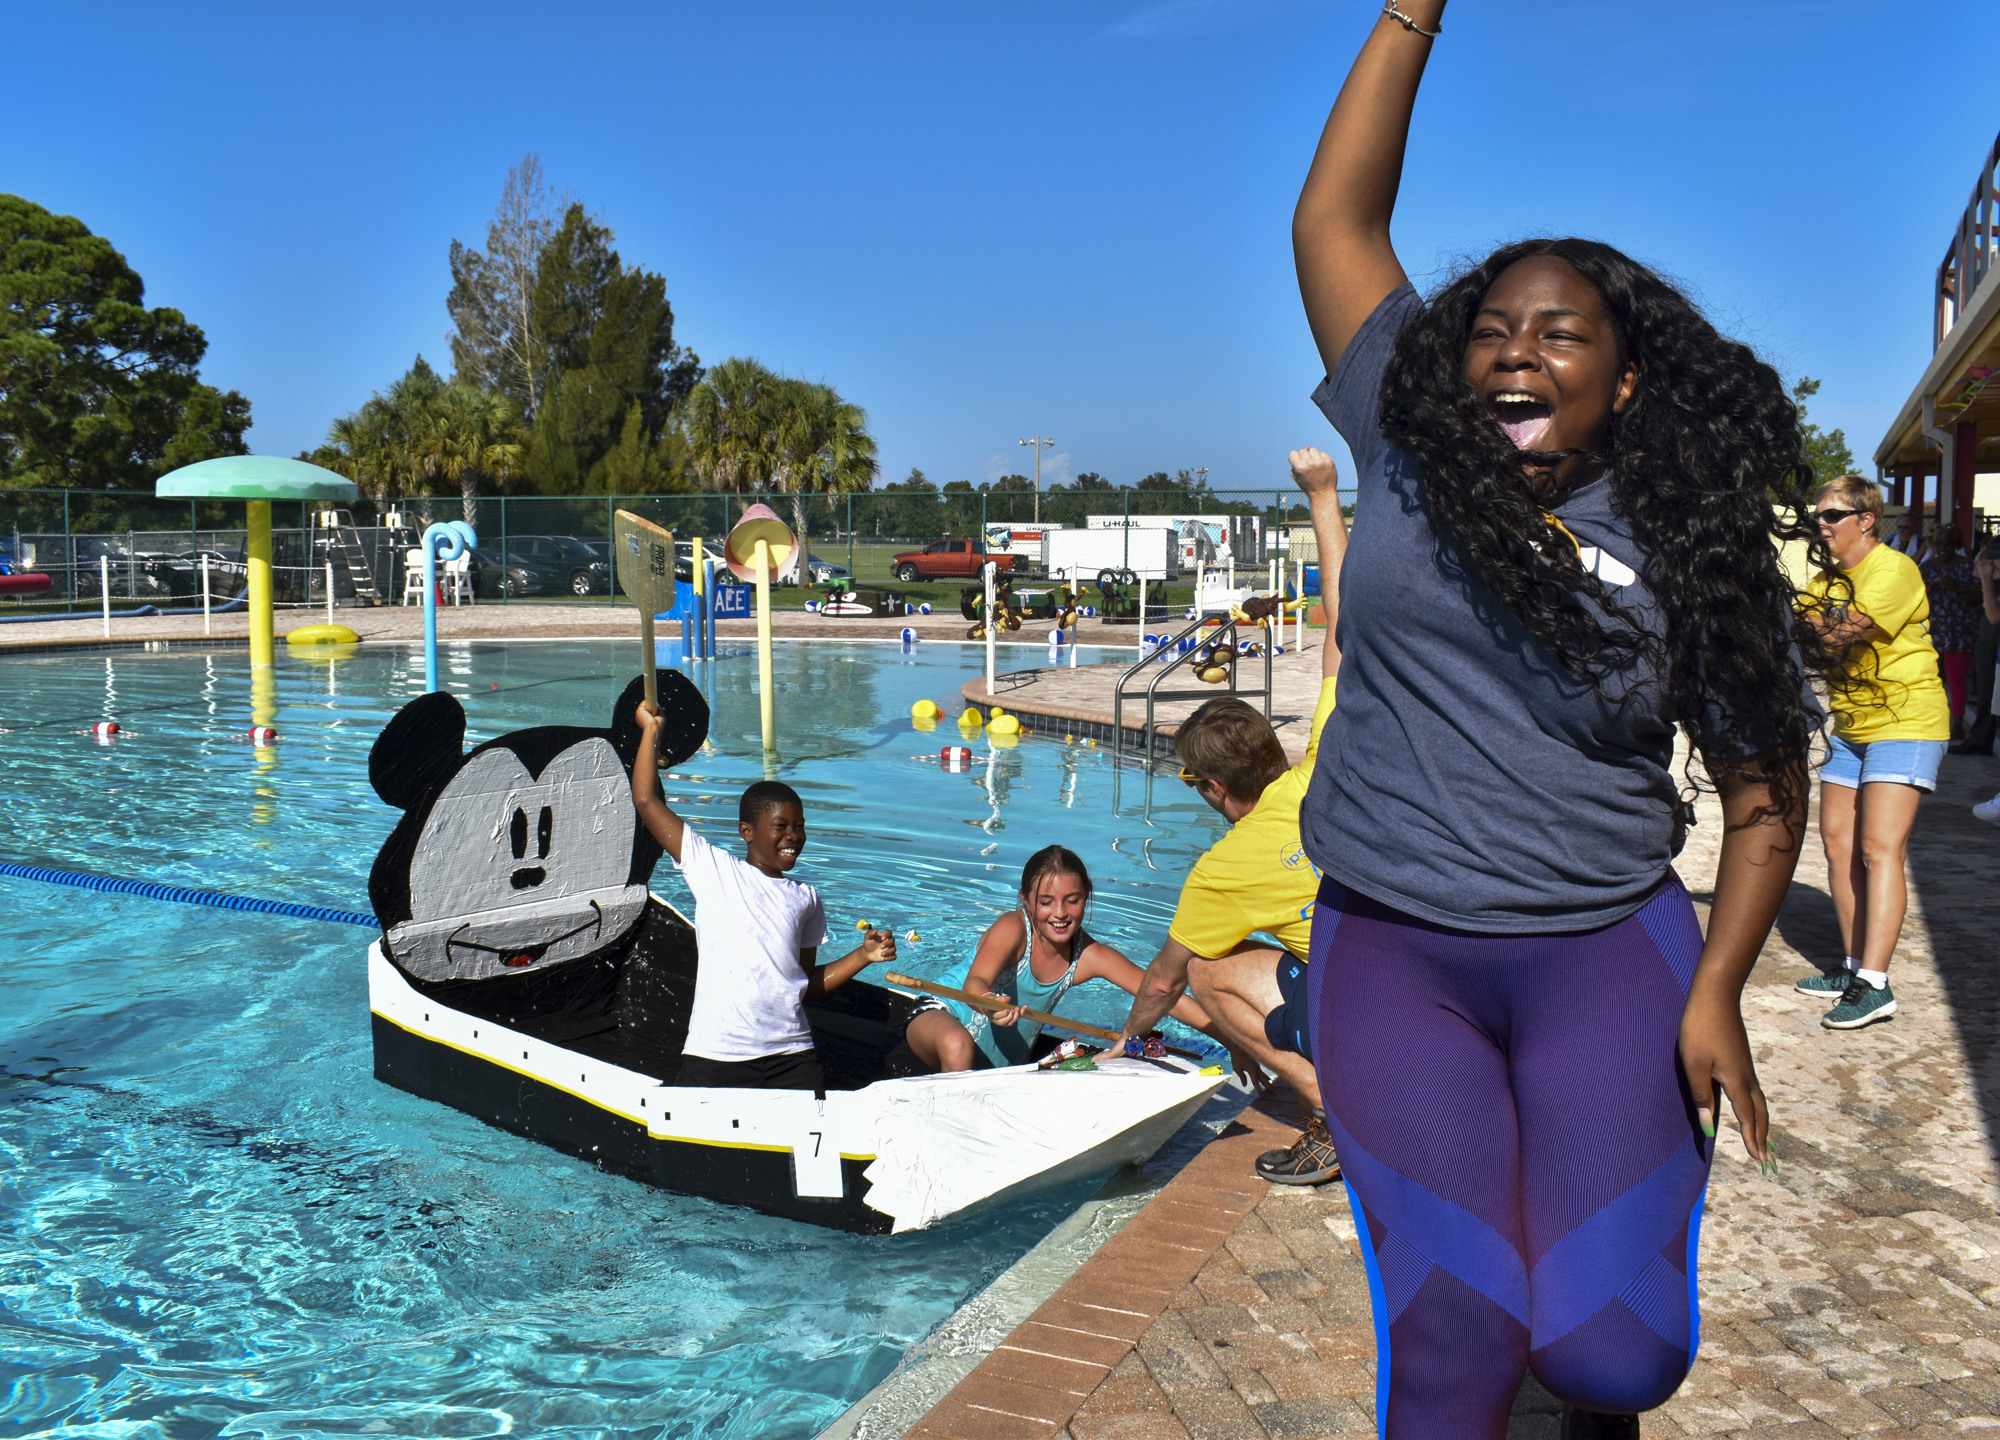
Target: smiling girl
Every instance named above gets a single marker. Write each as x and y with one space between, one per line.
1033 957
1569 489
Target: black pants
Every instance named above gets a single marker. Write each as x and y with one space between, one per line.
1980 732
800 1070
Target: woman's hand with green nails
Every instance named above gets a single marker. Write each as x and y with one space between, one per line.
1763 827
1715 1051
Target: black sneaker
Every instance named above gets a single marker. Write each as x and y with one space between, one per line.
1308 1160
1585 1425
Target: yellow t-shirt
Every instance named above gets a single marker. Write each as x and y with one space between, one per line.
1257 877
1907 701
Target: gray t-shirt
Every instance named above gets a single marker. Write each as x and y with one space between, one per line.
1465 777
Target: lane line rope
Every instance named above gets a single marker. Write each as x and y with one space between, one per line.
152 890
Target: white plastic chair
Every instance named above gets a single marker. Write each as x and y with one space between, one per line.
458 580
413 578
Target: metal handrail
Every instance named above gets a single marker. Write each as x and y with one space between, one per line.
1154 694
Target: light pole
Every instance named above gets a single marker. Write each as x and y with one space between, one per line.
1038 442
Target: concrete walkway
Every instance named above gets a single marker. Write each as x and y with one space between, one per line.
1060 699
599 619
1857 1293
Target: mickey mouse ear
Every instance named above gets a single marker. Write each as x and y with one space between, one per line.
683 711
418 748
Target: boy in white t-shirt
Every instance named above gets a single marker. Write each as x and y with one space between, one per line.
758 933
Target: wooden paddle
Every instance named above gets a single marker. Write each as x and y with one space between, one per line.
1001 1002
645 559
1040 1017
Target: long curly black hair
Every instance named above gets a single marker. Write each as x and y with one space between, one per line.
1708 464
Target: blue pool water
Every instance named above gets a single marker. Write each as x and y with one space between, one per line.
213 1221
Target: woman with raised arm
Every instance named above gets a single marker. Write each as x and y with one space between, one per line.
1569 489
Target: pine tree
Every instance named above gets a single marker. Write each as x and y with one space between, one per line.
96 390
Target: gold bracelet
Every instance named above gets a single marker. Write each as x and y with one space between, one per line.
1389 9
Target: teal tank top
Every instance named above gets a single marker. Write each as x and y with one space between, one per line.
1011 1044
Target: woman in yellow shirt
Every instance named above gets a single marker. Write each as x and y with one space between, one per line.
1891 726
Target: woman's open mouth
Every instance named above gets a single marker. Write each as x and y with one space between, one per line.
1524 416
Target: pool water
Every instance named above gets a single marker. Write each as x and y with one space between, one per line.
213 1220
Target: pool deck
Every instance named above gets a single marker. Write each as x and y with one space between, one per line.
1857 1293
1075 700
526 620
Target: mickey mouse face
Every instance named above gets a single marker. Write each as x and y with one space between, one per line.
513 869
525 853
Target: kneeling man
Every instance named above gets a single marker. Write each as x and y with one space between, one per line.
1256 881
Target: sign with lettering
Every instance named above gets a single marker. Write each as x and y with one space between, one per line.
732 602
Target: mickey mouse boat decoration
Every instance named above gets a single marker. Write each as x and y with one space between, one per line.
527 976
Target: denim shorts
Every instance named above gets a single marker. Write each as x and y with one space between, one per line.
1897 762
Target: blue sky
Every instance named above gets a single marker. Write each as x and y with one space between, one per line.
984 221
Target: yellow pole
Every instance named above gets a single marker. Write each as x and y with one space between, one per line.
760 560
258 546
264 755
699 629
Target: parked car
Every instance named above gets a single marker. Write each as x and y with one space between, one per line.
486 576
947 560
151 574
561 563
822 571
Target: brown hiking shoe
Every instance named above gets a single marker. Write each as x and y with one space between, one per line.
1309 1160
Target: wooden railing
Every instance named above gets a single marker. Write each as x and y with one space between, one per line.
1971 258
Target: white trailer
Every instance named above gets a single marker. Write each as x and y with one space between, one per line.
1204 539
1082 555
1004 537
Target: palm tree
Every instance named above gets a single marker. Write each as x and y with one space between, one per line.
728 421
748 429
824 448
422 431
462 434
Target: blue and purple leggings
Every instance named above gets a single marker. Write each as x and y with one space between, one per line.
1521 1153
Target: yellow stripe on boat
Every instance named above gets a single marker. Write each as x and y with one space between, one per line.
643 1122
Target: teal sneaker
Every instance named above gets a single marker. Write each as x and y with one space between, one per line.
1860 1004
1828 986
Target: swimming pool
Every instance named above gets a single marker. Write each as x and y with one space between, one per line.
217 1222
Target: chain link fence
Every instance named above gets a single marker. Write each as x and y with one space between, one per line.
557 548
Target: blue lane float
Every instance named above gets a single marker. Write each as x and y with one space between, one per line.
181 894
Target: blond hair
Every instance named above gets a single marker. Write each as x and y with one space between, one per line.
1858 493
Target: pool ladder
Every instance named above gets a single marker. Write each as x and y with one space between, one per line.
343 539
1228 630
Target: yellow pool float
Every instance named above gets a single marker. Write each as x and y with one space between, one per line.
321 635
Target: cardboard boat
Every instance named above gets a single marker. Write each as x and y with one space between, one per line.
528 976
582 1057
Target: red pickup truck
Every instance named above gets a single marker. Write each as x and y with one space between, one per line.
947 560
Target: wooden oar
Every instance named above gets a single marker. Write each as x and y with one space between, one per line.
1040 1017
645 558
1001 1002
